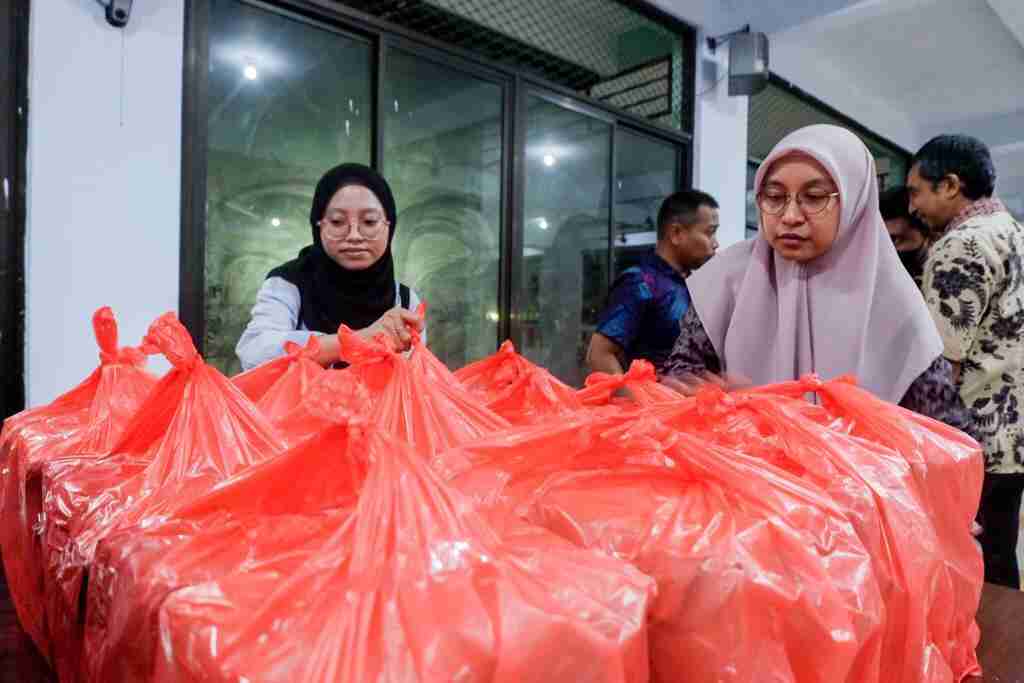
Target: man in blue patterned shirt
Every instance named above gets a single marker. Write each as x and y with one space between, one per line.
646 302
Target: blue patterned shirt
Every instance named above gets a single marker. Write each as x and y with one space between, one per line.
644 308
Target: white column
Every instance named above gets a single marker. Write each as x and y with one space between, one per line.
104 181
720 141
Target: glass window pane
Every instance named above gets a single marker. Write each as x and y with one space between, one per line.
753 213
646 171
443 157
565 236
288 100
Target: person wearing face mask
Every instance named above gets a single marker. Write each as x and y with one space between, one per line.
819 290
909 234
346 276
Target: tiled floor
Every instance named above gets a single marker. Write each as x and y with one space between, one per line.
19 660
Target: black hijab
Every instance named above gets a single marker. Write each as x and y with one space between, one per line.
330 294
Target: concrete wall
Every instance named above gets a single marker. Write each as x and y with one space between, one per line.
104 180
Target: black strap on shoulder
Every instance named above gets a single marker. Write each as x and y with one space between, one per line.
405 296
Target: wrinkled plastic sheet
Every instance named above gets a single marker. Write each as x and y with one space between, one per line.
269 518
308 524
366 604
89 418
760 575
518 390
416 398
277 387
638 386
194 430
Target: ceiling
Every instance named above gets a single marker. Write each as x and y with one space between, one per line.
939 61
905 69
944 66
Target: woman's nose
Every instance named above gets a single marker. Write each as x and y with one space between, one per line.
792 214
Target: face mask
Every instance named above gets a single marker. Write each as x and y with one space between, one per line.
913 260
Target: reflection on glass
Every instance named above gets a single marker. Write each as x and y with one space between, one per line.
442 155
753 213
288 100
647 171
565 236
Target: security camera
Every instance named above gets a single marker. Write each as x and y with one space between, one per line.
118 12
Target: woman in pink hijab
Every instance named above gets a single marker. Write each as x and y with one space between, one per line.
820 289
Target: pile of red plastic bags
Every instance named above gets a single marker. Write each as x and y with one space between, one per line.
395 521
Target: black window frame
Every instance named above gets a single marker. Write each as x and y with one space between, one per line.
516 85
14 35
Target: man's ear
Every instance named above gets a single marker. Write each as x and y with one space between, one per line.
950 186
676 233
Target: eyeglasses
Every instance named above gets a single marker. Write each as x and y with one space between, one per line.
340 229
811 202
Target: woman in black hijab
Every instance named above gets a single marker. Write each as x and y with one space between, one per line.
346 276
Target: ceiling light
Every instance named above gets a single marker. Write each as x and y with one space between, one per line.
549 160
251 72
542 223
276 222
493 316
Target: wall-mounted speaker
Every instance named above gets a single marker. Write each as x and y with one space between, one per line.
748 63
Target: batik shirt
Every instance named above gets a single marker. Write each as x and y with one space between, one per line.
644 308
974 287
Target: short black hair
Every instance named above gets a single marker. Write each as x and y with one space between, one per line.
894 204
966 157
681 207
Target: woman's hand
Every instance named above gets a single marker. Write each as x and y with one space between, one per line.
395 326
330 349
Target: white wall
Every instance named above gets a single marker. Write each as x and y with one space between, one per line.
720 142
104 180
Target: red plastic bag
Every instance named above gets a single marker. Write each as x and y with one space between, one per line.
640 383
88 418
277 513
948 468
414 586
416 398
760 576
518 390
931 573
195 429
277 387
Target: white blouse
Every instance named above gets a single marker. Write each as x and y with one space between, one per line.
275 321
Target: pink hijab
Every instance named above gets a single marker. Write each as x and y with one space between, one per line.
853 310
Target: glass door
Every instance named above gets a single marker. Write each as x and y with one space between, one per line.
443 155
564 238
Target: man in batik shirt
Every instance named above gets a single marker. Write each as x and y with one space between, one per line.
974 286
646 302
